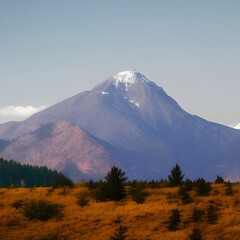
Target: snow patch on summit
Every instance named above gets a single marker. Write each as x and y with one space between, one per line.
236 126
128 78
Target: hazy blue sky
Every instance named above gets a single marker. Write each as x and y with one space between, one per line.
51 50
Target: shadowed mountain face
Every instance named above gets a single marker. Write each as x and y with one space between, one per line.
63 147
145 130
227 162
4 144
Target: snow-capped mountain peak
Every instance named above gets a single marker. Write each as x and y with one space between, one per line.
129 78
122 82
137 123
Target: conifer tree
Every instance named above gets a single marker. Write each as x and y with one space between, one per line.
176 177
175 219
203 187
212 214
219 179
113 187
115 181
228 190
195 235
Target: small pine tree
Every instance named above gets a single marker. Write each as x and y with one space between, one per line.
188 184
219 179
101 193
176 177
195 235
138 195
174 220
91 185
83 200
197 215
212 214
228 190
185 197
120 234
203 187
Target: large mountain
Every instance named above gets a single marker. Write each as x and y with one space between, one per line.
145 130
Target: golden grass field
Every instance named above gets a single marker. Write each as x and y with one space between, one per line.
100 220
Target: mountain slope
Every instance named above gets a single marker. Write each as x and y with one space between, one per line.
227 162
4 144
139 124
63 147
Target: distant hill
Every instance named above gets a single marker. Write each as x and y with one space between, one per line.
64 147
19 175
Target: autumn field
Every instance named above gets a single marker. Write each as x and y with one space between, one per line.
100 220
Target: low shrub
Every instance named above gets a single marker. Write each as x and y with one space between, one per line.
42 210
236 202
216 192
65 191
51 237
49 192
120 234
138 195
18 204
118 219
195 235
13 223
83 200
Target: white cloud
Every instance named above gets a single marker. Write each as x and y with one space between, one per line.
18 113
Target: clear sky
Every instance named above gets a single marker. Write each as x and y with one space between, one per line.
51 50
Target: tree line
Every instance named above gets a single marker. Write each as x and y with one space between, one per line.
114 185
16 175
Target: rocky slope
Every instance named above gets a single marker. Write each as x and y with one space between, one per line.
63 147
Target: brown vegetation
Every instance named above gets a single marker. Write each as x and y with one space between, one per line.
216 216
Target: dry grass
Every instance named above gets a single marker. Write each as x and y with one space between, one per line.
100 220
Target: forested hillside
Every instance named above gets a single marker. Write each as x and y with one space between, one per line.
15 174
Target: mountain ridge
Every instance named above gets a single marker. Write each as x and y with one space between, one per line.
63 147
142 127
